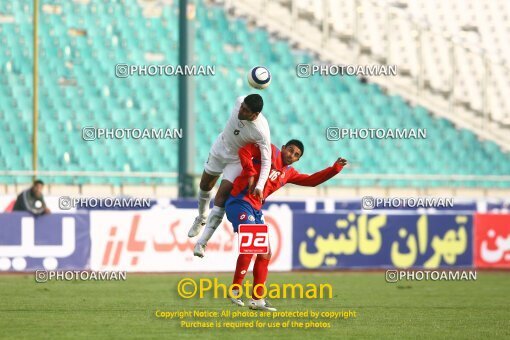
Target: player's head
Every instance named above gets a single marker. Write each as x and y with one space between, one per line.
251 107
292 151
37 188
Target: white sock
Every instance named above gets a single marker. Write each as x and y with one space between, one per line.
204 197
213 221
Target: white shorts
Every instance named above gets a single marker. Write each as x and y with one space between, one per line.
216 166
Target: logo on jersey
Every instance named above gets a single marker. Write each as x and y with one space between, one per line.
251 218
274 175
253 239
240 124
236 132
242 216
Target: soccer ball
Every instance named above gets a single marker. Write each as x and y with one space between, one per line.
259 77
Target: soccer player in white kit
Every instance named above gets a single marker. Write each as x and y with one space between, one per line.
246 125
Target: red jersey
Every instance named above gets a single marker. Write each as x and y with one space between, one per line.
279 174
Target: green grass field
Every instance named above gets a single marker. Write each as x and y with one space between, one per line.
127 309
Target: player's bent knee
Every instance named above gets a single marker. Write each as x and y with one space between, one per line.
207 181
206 186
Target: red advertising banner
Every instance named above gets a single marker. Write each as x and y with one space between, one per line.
492 241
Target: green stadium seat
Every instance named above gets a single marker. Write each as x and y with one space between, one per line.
295 107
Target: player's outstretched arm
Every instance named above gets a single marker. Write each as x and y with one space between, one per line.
246 155
318 177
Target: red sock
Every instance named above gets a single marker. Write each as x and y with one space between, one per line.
259 276
243 262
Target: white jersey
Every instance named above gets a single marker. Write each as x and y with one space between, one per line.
238 133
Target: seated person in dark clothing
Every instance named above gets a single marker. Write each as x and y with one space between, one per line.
32 200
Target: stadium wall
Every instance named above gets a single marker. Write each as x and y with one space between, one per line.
156 240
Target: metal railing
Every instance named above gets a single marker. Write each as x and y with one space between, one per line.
505 179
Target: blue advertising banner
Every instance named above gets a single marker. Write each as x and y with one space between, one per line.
49 242
335 241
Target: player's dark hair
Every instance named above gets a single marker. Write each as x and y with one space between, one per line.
254 102
298 144
38 181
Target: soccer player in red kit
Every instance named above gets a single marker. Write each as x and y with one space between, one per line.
242 207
